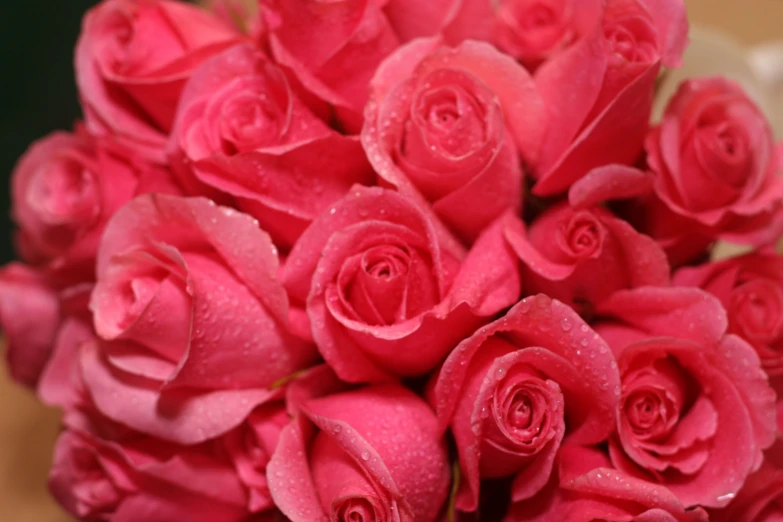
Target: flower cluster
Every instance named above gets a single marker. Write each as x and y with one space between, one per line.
397 261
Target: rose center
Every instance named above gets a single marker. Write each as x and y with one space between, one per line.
135 296
537 16
386 284
654 398
521 414
581 236
385 264
355 509
448 115
757 310
64 193
632 40
444 115
644 410
249 121
523 411
454 122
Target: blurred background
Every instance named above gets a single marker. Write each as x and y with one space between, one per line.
38 93
741 39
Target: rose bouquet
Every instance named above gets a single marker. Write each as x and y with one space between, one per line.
397 261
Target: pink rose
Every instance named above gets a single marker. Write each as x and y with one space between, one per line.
534 30
517 388
591 491
715 169
386 294
65 189
125 477
251 447
247 448
696 409
192 317
132 60
29 318
369 454
103 468
750 287
605 119
581 257
241 130
445 127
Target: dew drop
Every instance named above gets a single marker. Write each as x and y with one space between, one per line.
565 324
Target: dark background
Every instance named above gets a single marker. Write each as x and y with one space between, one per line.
37 89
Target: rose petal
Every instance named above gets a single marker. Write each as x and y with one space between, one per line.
290 481
29 318
415 473
608 183
671 23
584 64
686 313
183 417
617 137
197 222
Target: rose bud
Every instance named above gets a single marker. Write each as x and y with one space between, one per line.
591 491
372 454
387 295
132 60
445 126
605 120
581 257
29 318
65 189
517 388
696 409
750 287
533 30
242 131
715 170
192 318
101 476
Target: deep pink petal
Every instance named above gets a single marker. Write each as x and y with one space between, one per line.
584 64
686 313
29 319
60 383
290 480
193 223
607 183
671 23
186 418
616 135
398 444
